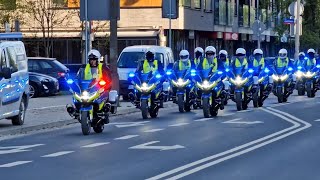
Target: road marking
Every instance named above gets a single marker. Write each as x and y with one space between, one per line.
317 120
17 163
161 148
94 145
245 148
229 114
61 153
17 149
47 107
179 124
129 124
153 130
236 121
203 119
243 111
126 137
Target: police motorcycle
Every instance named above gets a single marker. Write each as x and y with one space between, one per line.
92 103
283 83
300 86
185 94
312 81
265 86
244 88
211 86
149 86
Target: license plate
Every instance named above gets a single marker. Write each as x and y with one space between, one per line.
130 87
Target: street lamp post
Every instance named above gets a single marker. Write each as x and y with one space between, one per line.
170 13
297 38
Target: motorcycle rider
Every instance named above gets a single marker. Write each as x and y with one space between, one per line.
301 60
282 63
198 55
223 60
257 62
311 60
240 63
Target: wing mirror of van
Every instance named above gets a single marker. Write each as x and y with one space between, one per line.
6 73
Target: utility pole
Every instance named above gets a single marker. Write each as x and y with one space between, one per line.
170 14
258 18
86 31
297 39
114 44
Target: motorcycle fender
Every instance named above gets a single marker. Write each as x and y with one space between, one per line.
89 109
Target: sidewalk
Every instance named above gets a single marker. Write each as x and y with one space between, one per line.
50 112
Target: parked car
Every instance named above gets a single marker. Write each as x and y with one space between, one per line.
73 69
50 67
129 59
14 83
41 85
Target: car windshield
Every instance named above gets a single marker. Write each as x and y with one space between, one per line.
131 59
58 65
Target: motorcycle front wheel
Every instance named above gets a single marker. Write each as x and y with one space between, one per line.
310 91
280 94
181 102
255 99
206 107
144 109
85 123
238 99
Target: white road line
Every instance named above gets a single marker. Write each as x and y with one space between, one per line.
47 107
262 141
17 163
153 130
179 124
237 121
203 119
94 145
317 120
126 137
243 111
61 153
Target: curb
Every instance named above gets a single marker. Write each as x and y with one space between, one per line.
62 123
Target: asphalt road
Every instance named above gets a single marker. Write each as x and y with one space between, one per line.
274 142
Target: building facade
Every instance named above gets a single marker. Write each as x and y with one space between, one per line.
224 24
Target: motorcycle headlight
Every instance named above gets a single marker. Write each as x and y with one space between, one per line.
275 77
299 74
206 85
280 78
261 79
181 82
86 96
309 74
145 87
238 81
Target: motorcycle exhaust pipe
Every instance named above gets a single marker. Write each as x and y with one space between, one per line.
70 110
107 107
131 96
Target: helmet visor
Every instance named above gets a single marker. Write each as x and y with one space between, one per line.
210 53
184 57
283 54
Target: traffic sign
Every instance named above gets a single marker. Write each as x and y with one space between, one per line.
288 21
293 7
258 27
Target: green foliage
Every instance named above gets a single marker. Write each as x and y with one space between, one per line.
8 4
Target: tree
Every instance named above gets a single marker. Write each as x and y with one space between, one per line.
8 11
46 15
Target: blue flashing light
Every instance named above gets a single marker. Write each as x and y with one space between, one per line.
131 75
305 58
70 81
220 72
15 35
193 71
227 69
250 70
158 76
168 73
299 67
193 74
318 66
291 69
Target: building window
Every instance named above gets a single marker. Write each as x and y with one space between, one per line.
185 3
208 5
230 12
220 12
197 4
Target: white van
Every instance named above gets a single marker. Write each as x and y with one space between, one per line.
131 56
14 80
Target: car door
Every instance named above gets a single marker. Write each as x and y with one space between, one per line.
5 87
47 68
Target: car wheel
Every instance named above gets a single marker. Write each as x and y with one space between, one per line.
19 119
34 92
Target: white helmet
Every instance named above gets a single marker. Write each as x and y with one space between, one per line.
241 51
302 54
184 55
283 53
223 52
211 49
94 54
198 49
257 51
311 51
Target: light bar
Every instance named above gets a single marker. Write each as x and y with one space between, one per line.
14 35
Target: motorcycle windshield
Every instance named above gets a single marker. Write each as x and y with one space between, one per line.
145 77
238 71
280 71
205 73
181 74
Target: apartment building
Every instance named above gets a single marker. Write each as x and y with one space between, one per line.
200 23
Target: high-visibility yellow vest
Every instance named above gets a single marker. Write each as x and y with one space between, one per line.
88 74
257 63
196 61
311 62
182 65
207 65
147 68
281 63
238 63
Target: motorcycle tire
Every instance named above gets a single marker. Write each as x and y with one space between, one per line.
301 91
154 111
206 107
238 99
98 128
214 110
195 106
181 102
255 99
280 94
85 123
144 109
310 91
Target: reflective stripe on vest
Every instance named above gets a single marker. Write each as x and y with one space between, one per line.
196 61
147 68
182 65
207 65
281 64
88 74
311 62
